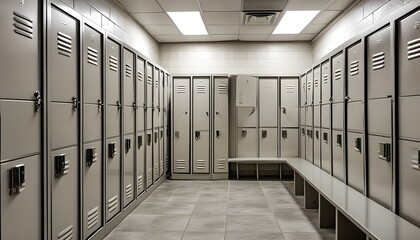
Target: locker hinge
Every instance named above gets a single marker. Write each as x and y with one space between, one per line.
100 104
17 179
91 156
75 104
38 101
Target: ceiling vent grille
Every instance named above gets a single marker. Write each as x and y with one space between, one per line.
259 18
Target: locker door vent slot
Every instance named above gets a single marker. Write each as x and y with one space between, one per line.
222 89
61 165
17 179
140 182
128 191
201 164
149 175
284 134
128 70
354 68
112 203
378 61
325 137
339 140
325 78
156 83
181 89
221 163
304 87
149 80
66 234
93 217
91 156
113 63
309 85
64 44
201 89
290 89
358 144
384 151
337 74
23 25
180 164
316 82
140 76
92 56
413 49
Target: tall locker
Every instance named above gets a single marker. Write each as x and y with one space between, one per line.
113 128
155 124
155 143
309 142
201 124
268 99
21 93
289 123
141 136
317 114
167 110
303 90
149 123
181 126
63 49
161 130
221 124
326 116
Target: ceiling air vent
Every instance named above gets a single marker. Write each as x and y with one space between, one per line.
259 18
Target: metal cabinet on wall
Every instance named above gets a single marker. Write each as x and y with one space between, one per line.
221 124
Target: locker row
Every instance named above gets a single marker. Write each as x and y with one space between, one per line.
358 118
84 126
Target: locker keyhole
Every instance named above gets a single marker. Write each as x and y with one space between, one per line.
244 133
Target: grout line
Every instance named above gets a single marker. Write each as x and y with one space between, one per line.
227 209
281 231
189 220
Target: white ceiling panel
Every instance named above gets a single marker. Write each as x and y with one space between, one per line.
214 29
305 36
339 5
141 5
170 38
307 4
283 37
325 17
313 28
222 18
201 38
221 5
169 30
224 37
256 30
179 5
247 37
153 18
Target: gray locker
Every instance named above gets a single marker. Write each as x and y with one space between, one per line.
149 96
268 142
380 116
317 85
64 125
156 106
326 150
355 116
22 204
268 96
302 116
379 77
247 142
201 103
289 109
92 66
355 165
303 142
338 154
317 147
20 127
92 187
181 119
309 144
309 116
129 119
140 163
128 74
338 77
408 126
65 194
129 169
149 157
113 84
156 169
309 88
161 103
113 177
92 121
355 72
289 142
201 151
247 116
409 193
113 121
140 119
338 114
289 117
326 116
141 94
246 91
317 116
303 90
325 82
380 170
161 156
221 124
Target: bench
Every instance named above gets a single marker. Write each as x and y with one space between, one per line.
256 161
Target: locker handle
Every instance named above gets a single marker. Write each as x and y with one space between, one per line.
283 109
339 140
358 144
60 165
155 136
112 150
149 139
347 98
284 134
264 133
91 156
197 135
134 105
217 133
317 134
185 112
161 133
100 104
384 152
127 145
17 179
325 137
303 131
38 101
118 105
244 133
217 112
75 104
177 134
139 141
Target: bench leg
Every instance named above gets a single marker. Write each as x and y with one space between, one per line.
237 171
258 177
280 171
346 230
299 185
326 213
311 197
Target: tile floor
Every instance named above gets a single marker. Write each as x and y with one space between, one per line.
222 210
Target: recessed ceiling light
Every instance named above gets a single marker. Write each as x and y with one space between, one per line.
189 23
293 22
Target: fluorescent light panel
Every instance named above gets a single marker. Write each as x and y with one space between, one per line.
293 22
189 23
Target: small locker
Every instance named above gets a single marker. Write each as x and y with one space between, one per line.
156 106
246 91
156 169
161 102
380 116
309 143
289 102
355 165
267 98
355 114
289 142
303 90
129 119
303 142
113 72
338 154
317 85
317 116
140 95
309 88
317 147
113 183
247 142
325 82
355 72
408 121
149 157
337 112
140 163
326 150
268 142
129 169
129 79
149 96
221 124
326 116
338 77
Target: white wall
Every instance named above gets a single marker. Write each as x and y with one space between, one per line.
262 58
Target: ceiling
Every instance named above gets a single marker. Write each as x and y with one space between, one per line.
223 19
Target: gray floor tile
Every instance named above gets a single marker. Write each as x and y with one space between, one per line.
253 236
249 209
211 208
184 197
307 236
203 236
264 224
296 224
154 223
131 235
207 223
213 197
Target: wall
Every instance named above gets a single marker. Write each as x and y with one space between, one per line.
267 58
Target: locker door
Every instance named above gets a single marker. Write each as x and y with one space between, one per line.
309 88
129 119
149 96
92 65
268 142
113 72
113 173
140 94
128 169
92 121
64 125
23 206
268 97
408 126
355 72
113 121
317 85
355 164
303 116
129 69
141 144
149 157
338 76
289 142
317 147
181 125
309 116
317 116
201 103
326 116
380 116
247 142
337 155
355 116
156 86
303 142
161 157
326 150
161 105
303 90
326 82
246 91
201 152
247 116
289 102
156 173
338 113
309 144
289 117
221 125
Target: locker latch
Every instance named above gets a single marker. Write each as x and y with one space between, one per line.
112 150
283 109
100 104
309 133
127 145
339 140
303 131
177 134
217 133
91 156
61 165
144 106
197 135
264 133
317 135
118 103
358 144
158 109
17 179
284 134
161 133
325 137
207 114
156 136
347 98
384 151
244 133
149 139
38 101
75 104
139 141
134 105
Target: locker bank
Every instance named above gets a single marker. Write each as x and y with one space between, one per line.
209 119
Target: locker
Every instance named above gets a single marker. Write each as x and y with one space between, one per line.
317 85
268 142
113 175
161 156
309 144
317 116
289 117
201 103
149 96
380 116
113 121
92 121
247 116
64 123
20 128
181 115
355 169
289 92
140 119
409 177
155 144
408 126
20 39
129 70
325 82
338 154
128 169
92 66
303 116
129 119
303 142
380 170
65 197
201 151
221 125
326 150
309 88
289 142
303 90
338 113
92 187
355 72
247 142
113 85
338 77
268 96
161 103
140 83
326 116
379 77
156 106
149 157
246 91
140 163
23 207
309 116
63 50
317 147
355 116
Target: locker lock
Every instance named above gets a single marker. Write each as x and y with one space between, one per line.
358 144
139 141
283 109
156 136
161 133
17 179
112 150
264 133
127 145
244 133
61 166
347 98
303 132
118 103
317 135
217 133
197 135
284 134
325 137
100 104
384 151
339 140
149 139
217 112
134 105
177 134
38 101
75 104
91 156
207 114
